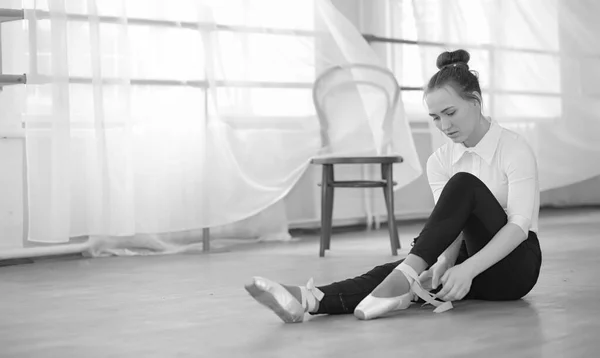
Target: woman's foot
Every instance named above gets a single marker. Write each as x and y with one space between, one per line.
397 292
393 294
395 284
288 302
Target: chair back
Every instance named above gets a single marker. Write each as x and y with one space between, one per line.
356 105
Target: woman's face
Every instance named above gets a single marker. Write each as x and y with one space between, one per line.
456 117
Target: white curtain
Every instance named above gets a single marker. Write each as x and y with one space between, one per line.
147 121
538 63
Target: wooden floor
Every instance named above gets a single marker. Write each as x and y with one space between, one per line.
195 305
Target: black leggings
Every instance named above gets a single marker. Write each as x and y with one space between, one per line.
467 205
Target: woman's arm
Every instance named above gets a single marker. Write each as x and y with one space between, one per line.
437 175
520 166
457 280
502 244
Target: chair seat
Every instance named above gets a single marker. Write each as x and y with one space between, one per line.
359 184
359 160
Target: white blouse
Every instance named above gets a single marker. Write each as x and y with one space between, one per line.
505 162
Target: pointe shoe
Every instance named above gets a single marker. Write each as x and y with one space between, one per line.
373 307
277 298
281 301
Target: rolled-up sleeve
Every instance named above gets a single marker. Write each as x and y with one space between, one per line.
523 188
437 175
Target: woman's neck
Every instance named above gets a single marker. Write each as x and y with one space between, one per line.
479 132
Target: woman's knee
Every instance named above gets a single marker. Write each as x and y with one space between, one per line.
464 178
463 181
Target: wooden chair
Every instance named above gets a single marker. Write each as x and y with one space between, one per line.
357 79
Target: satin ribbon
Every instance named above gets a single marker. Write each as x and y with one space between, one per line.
424 294
310 285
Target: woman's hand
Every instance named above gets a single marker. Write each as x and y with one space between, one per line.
433 276
438 270
457 283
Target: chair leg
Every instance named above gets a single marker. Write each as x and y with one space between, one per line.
326 208
330 197
388 194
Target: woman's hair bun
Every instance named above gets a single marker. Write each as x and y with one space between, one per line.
449 58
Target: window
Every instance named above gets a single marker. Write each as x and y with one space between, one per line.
264 70
518 65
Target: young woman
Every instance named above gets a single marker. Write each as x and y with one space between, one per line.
480 241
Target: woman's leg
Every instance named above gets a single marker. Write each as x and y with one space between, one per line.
513 276
291 303
467 205
463 201
342 297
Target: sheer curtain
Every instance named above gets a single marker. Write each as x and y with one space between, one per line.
537 62
146 122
